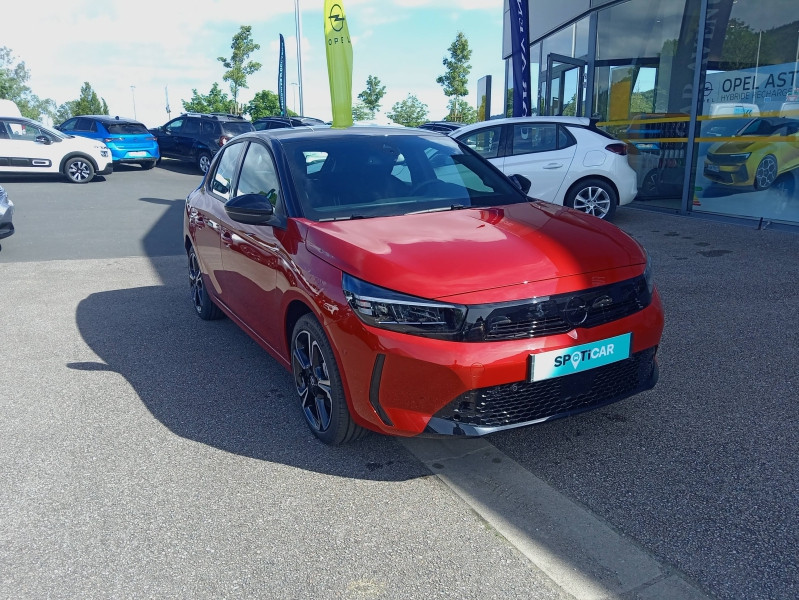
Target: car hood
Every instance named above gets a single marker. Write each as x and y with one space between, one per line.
736 147
435 255
85 144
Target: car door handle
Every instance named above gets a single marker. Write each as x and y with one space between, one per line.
553 166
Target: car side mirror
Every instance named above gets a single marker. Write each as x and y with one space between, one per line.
521 182
43 139
251 209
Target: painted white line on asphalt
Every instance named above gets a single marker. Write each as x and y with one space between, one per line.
577 550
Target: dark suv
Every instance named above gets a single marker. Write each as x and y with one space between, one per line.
196 137
278 122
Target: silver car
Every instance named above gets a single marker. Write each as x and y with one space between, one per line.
6 212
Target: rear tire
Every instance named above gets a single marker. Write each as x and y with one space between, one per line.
593 197
318 384
148 165
79 170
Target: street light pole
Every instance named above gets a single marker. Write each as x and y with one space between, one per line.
299 50
294 86
133 94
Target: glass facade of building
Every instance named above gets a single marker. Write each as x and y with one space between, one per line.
705 93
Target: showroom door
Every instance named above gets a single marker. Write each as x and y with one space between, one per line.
565 84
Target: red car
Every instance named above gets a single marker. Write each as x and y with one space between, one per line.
412 288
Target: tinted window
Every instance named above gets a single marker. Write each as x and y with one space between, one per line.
190 127
225 170
127 128
484 141
174 126
234 128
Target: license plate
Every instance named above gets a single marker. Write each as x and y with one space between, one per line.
566 361
137 153
712 168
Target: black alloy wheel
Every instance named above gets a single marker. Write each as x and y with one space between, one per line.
319 386
203 305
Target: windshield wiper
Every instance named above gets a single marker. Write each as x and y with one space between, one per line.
343 218
439 209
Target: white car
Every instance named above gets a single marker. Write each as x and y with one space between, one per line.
29 147
6 215
567 159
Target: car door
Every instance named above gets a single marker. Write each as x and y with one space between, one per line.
207 218
252 255
534 151
168 138
27 148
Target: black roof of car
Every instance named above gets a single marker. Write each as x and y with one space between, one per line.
355 130
218 116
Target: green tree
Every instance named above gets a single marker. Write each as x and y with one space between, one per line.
411 112
265 103
238 67
456 78
88 103
14 77
371 96
361 113
460 111
215 101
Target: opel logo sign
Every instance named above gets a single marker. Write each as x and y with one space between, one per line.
576 311
336 17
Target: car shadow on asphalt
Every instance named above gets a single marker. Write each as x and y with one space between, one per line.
210 383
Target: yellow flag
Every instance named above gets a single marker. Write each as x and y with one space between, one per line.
339 62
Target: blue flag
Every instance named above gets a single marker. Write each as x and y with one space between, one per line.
520 56
281 77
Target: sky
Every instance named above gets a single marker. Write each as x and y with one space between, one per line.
136 55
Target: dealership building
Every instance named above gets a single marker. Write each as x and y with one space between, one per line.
705 92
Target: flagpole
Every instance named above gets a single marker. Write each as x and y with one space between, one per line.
299 50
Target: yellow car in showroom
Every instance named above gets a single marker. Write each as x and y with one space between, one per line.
762 151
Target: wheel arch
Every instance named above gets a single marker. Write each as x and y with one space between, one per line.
584 178
69 156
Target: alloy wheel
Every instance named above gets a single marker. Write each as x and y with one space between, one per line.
312 380
593 200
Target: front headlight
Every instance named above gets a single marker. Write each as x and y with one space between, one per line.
739 156
386 309
650 282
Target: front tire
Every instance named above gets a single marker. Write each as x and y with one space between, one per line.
766 172
593 197
319 386
203 162
79 170
203 305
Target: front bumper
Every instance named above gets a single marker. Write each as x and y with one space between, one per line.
408 385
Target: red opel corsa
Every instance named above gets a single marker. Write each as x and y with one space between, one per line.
412 288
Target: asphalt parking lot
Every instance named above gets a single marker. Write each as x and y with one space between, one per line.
148 454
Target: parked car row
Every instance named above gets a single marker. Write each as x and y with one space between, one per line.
568 160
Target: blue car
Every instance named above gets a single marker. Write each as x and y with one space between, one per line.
129 141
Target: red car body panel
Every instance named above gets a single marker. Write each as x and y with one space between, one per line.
446 254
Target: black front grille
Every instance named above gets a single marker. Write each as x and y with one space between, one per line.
556 314
524 402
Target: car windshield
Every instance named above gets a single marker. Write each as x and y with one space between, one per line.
364 176
126 128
